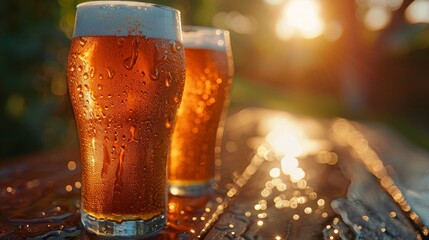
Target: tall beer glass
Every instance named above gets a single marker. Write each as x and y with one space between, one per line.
126 74
208 79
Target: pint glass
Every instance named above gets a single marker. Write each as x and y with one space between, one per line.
126 74
209 70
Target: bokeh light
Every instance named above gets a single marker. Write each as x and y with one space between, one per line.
377 18
234 21
333 31
418 12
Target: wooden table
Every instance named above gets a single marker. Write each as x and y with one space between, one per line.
282 177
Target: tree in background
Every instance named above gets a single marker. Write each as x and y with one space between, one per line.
34 108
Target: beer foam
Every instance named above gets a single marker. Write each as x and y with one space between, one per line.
205 38
123 18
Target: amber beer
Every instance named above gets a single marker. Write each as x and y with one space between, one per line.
208 79
125 73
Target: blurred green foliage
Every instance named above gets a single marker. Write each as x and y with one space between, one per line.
33 51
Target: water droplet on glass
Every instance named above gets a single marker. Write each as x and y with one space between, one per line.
106 157
86 87
79 88
85 76
91 72
131 60
176 98
80 95
155 74
72 68
168 80
143 74
82 41
79 68
121 41
100 76
109 96
167 123
173 47
110 72
99 86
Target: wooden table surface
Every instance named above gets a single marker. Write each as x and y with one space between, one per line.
282 177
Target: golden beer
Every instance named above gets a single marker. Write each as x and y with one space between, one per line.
125 90
208 80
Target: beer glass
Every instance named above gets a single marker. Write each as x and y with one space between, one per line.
209 69
126 72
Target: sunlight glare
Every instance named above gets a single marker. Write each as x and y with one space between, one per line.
301 17
284 143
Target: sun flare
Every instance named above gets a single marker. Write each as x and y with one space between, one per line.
302 18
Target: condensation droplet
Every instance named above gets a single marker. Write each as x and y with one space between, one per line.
85 76
121 41
168 80
167 123
99 86
93 97
91 72
155 74
131 60
72 68
173 47
176 99
100 76
110 72
82 41
79 88
79 68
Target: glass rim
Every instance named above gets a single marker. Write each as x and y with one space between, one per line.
202 37
126 4
194 28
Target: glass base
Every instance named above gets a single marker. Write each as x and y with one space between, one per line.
125 229
190 190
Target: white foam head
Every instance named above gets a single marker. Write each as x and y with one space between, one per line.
123 18
205 38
